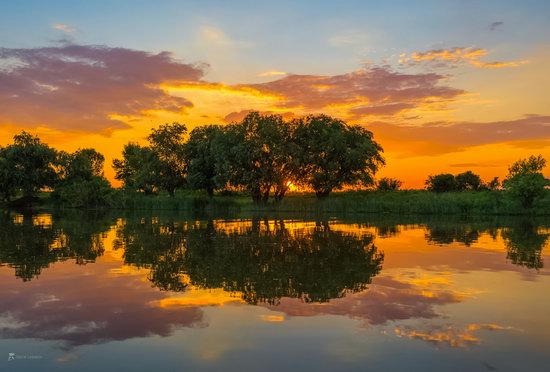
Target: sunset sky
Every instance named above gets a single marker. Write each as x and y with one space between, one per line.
445 86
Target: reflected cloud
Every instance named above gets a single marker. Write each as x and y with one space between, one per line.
446 335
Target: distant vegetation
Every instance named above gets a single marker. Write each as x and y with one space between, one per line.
261 156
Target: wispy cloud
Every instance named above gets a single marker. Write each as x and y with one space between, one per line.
272 73
453 57
214 36
495 25
64 27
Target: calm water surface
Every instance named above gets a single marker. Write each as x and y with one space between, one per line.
173 293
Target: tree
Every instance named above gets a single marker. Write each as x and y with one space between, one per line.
494 184
525 180
468 181
81 181
333 154
168 144
257 155
388 184
8 186
138 168
201 155
441 183
29 163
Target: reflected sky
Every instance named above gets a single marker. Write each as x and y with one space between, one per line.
102 292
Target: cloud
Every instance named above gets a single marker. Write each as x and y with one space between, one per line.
367 91
495 25
239 115
272 73
446 335
454 57
348 38
444 137
213 36
64 27
81 87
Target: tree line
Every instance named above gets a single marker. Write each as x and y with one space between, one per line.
262 155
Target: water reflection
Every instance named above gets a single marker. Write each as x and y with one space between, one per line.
264 261
122 278
30 243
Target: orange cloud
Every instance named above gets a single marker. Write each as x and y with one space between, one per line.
453 57
444 137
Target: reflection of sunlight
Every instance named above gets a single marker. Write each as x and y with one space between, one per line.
272 318
44 220
199 297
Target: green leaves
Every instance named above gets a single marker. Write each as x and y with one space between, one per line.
525 180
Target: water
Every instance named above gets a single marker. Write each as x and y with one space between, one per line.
175 293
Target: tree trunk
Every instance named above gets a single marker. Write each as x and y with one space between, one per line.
321 194
210 192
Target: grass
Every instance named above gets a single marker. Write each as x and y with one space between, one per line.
353 202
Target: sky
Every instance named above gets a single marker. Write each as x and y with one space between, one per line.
445 86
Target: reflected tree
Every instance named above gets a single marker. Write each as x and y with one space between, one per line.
29 244
264 261
524 243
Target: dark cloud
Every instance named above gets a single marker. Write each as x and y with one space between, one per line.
444 137
366 91
78 87
494 25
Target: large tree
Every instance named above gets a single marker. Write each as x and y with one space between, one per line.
333 154
257 155
468 181
27 165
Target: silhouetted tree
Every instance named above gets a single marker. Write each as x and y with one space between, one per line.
333 154
441 183
468 181
388 184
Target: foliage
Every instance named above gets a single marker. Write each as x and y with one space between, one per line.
333 154
81 182
444 182
168 145
525 180
388 184
27 165
468 181
202 152
138 168
257 155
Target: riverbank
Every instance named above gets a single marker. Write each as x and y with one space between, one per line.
352 202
